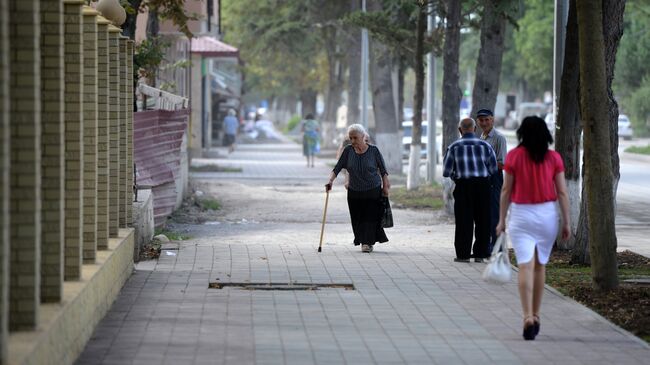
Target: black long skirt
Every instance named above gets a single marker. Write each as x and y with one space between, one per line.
366 211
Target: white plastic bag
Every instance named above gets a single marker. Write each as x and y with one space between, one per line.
498 269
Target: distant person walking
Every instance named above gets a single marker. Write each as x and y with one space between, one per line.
368 182
310 139
485 119
469 162
231 125
534 180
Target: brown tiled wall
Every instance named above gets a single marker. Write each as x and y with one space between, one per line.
129 137
4 177
74 147
90 134
114 130
123 131
25 169
52 172
102 133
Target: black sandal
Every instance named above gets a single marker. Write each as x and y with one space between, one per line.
529 329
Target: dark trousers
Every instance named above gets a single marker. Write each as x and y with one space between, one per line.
472 212
496 183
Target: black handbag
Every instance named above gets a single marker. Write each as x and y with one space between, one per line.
387 216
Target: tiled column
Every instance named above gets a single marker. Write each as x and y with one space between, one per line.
74 147
53 152
25 169
123 130
114 129
129 134
90 134
102 133
4 178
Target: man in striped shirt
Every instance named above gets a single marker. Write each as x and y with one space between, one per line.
470 162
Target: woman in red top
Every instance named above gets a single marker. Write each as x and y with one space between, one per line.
534 181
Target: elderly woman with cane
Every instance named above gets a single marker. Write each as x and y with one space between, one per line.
368 183
534 181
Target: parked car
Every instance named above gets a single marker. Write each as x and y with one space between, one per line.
624 127
407 137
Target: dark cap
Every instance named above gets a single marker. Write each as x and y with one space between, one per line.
484 113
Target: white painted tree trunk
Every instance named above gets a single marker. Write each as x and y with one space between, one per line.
391 148
574 188
413 177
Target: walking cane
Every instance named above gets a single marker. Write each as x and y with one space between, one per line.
322 227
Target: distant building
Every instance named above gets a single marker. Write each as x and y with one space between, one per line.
212 81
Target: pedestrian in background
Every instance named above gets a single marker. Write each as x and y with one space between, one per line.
469 162
230 125
534 181
368 183
310 139
485 120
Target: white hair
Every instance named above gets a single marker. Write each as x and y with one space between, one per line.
357 128
232 112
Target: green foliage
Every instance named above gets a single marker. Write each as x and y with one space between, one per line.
172 235
632 77
292 123
210 204
642 150
425 197
279 43
534 46
148 57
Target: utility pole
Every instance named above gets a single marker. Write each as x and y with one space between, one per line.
431 105
364 72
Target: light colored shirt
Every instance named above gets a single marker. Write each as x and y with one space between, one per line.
230 125
469 157
498 143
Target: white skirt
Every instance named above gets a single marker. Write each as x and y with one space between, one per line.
533 226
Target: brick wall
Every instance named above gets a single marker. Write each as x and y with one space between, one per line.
102 133
25 169
123 130
90 134
52 171
129 136
73 139
4 177
114 130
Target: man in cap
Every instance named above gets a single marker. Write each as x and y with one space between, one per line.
485 119
470 162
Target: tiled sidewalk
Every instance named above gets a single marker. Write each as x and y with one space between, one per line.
411 303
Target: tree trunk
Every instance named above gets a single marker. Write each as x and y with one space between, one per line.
308 102
413 178
383 106
451 93
353 60
128 28
612 32
335 75
490 55
568 128
598 164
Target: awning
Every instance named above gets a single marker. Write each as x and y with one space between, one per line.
208 46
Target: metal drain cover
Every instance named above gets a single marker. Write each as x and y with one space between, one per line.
281 286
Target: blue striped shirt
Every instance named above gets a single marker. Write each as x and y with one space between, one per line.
365 169
469 157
